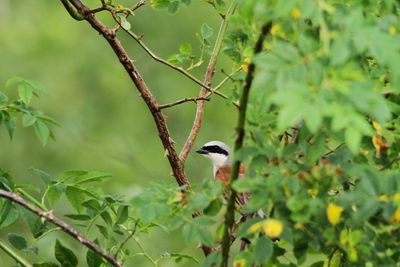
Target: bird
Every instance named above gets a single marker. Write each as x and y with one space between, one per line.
219 154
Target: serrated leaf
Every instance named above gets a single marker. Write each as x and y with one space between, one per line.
75 197
122 214
263 249
64 255
28 120
17 241
42 132
206 31
44 175
25 92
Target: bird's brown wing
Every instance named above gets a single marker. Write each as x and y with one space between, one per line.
223 174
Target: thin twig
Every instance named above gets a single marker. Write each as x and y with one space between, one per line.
64 226
240 131
207 81
192 99
139 4
72 11
126 239
163 61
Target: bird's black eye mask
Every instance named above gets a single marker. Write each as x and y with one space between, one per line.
215 149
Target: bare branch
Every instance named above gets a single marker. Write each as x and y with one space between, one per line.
64 226
240 130
207 81
193 99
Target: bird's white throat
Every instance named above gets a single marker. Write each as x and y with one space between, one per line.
218 160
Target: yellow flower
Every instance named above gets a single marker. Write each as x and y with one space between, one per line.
119 6
377 127
255 227
272 228
245 67
396 216
275 29
396 197
153 3
295 13
392 30
383 198
247 60
239 263
333 213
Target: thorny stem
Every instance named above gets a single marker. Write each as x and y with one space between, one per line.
240 131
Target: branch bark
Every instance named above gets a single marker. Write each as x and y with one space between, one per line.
240 131
64 226
193 99
141 86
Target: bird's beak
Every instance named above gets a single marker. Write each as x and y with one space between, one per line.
202 151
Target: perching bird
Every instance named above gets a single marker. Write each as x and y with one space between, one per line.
218 152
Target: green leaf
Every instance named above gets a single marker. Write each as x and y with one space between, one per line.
124 22
17 241
8 214
189 232
53 195
263 249
103 230
122 214
42 131
106 217
28 120
76 197
173 7
213 208
206 31
3 99
64 255
10 123
185 49
78 217
25 92
45 264
186 2
36 226
93 258
91 176
13 80
45 176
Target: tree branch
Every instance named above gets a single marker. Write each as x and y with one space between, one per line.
139 4
141 86
72 11
240 131
194 99
207 81
64 226
162 61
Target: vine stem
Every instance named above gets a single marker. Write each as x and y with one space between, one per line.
240 131
46 215
14 255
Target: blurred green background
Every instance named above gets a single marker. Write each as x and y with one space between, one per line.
104 123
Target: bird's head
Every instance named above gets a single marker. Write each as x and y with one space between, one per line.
218 152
